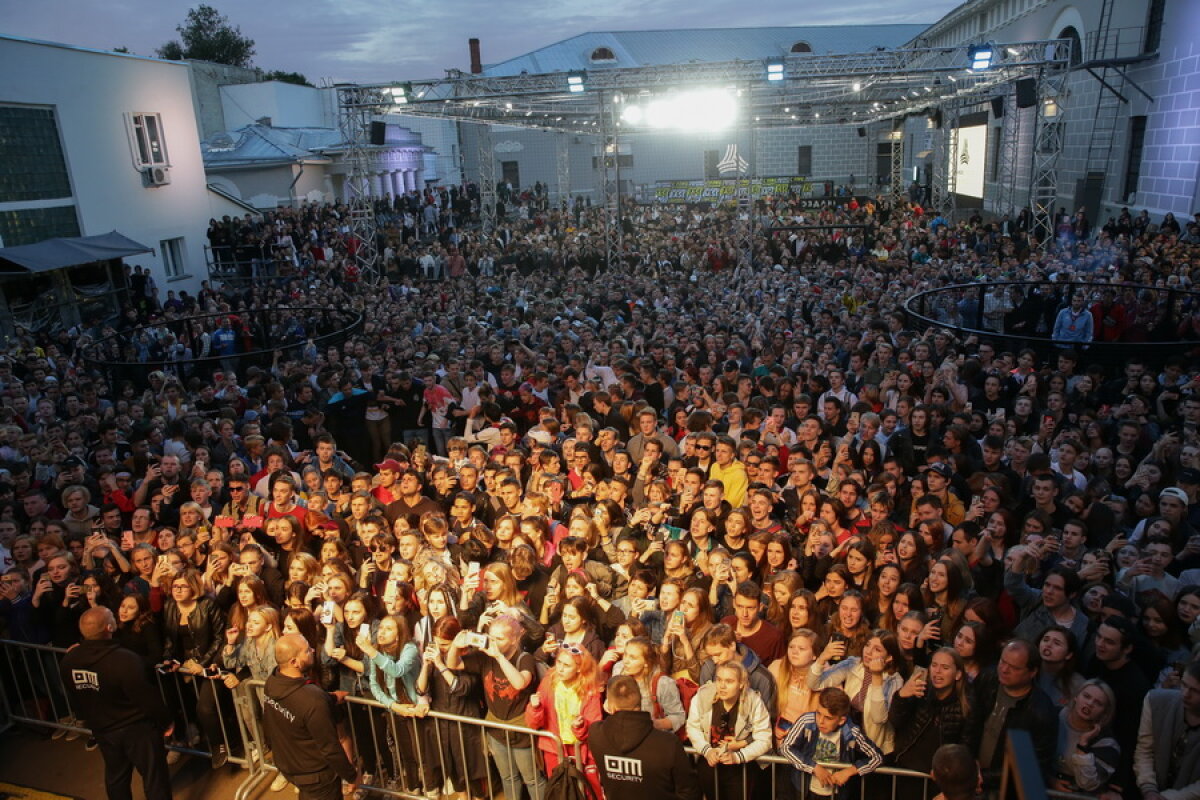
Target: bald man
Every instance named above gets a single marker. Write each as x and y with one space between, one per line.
298 723
110 693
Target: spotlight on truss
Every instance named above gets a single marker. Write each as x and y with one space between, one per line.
981 56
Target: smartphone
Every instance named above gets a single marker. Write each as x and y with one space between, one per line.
326 617
677 618
477 640
838 637
1000 414
472 577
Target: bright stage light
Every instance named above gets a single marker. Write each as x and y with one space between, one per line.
774 71
704 110
981 56
575 82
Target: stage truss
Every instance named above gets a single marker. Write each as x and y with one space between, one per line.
858 89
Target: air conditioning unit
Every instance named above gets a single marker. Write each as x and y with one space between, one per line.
156 176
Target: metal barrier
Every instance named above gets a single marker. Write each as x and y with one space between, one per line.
400 756
34 694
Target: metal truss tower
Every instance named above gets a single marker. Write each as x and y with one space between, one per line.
562 163
896 151
1047 146
609 162
1009 161
357 106
486 157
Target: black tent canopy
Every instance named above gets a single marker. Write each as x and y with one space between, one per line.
53 254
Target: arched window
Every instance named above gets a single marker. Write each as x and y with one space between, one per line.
603 54
802 47
1069 32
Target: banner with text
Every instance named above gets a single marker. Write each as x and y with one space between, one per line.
722 190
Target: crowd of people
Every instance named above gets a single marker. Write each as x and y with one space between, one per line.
735 477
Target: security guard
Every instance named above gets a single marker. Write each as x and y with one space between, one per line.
298 723
636 760
110 692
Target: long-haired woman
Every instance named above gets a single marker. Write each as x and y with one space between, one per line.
793 697
567 701
660 693
931 709
682 647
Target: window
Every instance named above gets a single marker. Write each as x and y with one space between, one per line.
511 172
1070 33
802 47
173 261
1133 167
149 145
32 225
804 161
32 166
1154 26
601 54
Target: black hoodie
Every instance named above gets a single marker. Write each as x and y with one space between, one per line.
109 688
637 761
298 723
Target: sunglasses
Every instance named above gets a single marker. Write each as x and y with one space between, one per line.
571 648
237 488
703 447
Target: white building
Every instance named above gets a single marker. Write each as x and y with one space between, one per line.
97 141
283 147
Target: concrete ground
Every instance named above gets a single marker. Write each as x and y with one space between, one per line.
33 759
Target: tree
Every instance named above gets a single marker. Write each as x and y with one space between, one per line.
286 77
207 35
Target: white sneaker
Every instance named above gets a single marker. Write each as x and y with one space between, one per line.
280 783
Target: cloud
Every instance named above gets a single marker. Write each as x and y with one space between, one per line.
371 40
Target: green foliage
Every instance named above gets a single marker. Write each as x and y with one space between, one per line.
207 35
286 77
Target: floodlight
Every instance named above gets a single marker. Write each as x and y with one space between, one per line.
774 71
702 110
575 81
981 56
400 93
857 86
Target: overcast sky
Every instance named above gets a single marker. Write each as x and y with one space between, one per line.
374 40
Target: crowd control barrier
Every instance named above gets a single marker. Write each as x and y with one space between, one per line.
399 754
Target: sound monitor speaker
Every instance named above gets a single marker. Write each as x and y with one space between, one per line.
378 133
862 131
1026 93
997 107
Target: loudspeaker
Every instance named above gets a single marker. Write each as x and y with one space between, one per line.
997 107
378 133
937 119
862 131
1026 93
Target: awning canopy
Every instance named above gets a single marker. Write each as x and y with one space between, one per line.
53 254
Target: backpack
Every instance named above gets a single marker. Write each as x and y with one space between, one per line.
687 690
567 782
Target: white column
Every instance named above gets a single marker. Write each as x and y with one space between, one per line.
397 178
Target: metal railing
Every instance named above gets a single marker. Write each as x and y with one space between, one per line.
34 695
398 755
959 308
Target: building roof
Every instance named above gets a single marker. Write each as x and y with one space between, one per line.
653 48
263 145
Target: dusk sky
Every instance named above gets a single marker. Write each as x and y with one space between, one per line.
375 40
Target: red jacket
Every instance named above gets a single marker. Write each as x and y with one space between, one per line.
545 718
